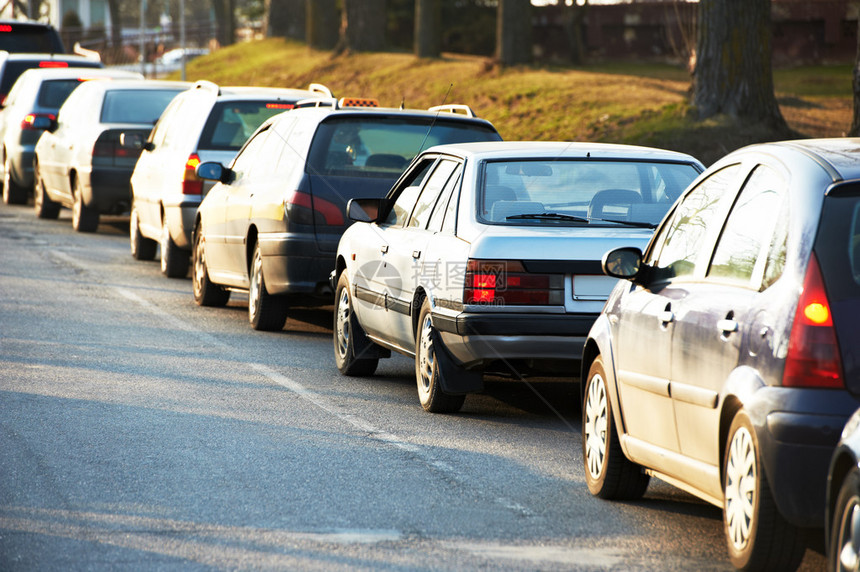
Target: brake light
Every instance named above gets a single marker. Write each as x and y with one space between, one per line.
53 64
30 118
5 28
279 106
506 282
813 352
302 208
191 183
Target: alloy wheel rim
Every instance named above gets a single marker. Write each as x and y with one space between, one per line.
595 426
165 239
426 355
342 332
848 545
254 294
741 478
199 271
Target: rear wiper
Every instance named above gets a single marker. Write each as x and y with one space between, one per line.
547 216
634 223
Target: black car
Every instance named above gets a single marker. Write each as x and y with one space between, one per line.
725 362
272 223
23 36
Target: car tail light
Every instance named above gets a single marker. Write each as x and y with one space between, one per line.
279 106
506 282
302 208
5 28
27 122
110 148
53 64
191 183
813 352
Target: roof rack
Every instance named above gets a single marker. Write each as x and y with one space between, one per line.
321 89
316 102
456 108
206 84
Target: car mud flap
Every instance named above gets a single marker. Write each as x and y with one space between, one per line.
455 380
366 349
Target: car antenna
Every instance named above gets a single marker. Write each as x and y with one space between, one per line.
402 103
432 123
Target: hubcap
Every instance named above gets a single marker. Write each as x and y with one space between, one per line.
426 354
199 266
254 294
342 332
849 537
165 244
595 426
741 478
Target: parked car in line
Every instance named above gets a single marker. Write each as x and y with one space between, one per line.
272 223
842 522
85 158
27 36
485 258
724 362
38 93
206 123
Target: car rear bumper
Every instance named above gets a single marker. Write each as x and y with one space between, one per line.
180 220
109 190
292 264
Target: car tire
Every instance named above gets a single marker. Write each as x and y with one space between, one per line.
174 260
142 248
608 473
844 552
427 371
757 535
346 329
206 292
266 312
84 218
13 193
44 207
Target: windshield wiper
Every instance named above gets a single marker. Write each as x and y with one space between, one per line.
633 223
547 216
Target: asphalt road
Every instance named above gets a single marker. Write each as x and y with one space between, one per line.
139 431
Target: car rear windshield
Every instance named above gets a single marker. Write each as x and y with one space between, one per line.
232 122
13 69
54 92
29 39
580 191
136 105
382 146
837 245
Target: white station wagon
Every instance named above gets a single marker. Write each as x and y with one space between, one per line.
486 258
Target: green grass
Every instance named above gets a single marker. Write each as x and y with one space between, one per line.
637 103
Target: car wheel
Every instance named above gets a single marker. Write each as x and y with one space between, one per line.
84 218
427 372
13 193
608 473
44 206
844 553
174 260
142 248
758 536
346 328
265 311
206 293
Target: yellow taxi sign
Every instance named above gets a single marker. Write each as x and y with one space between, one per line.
358 102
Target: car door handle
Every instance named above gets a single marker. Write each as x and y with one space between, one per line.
383 249
727 326
416 254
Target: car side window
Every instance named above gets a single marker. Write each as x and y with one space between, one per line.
247 157
438 216
430 195
162 127
680 245
409 189
752 239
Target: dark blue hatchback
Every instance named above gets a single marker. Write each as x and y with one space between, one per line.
725 362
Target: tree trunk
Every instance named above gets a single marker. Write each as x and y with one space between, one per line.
513 32
574 24
855 124
363 27
285 19
321 24
733 73
225 21
115 24
428 33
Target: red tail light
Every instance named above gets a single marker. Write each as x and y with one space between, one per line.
191 183
5 28
506 282
302 208
27 122
53 64
813 352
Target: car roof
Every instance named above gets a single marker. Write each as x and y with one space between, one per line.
559 150
252 92
34 56
120 84
47 74
841 155
323 112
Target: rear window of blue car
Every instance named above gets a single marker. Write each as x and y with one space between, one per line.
837 245
136 105
382 145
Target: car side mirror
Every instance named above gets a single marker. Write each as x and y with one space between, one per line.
625 263
364 210
214 171
148 146
44 123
